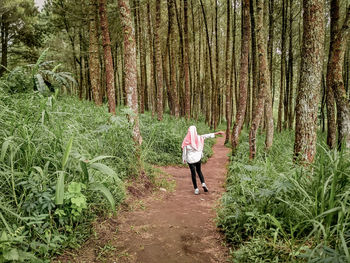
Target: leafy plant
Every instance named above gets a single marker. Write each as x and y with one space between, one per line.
272 201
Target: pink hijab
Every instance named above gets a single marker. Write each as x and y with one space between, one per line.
193 139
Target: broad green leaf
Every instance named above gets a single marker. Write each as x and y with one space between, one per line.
4 148
5 223
40 83
67 152
105 191
60 189
74 187
98 158
11 255
104 169
85 171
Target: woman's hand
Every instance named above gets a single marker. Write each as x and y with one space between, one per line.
219 133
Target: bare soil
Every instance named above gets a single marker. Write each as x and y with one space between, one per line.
164 226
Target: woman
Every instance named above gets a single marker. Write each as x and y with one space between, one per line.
192 152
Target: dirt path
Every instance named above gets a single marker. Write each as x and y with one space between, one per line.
166 227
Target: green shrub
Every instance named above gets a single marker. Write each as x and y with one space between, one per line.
303 210
61 164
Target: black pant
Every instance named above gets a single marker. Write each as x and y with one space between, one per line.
193 168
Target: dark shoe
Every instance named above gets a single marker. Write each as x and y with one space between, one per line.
205 188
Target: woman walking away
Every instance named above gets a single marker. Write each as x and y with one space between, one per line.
192 152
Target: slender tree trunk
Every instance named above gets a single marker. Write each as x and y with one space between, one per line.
290 69
283 66
234 64
173 89
151 59
130 68
159 73
227 76
107 57
270 43
337 82
216 94
4 44
254 62
209 50
143 69
94 64
181 62
330 103
243 83
81 66
310 81
186 64
264 76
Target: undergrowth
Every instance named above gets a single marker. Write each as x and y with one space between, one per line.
277 211
63 162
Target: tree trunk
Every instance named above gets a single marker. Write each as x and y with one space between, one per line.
107 57
283 66
254 65
181 62
234 64
337 82
330 103
159 73
209 51
94 64
130 68
151 59
172 42
270 43
227 76
186 65
143 69
4 44
290 70
216 102
310 81
264 76
243 82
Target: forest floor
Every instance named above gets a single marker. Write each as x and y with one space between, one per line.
163 226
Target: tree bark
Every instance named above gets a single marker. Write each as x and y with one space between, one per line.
270 43
4 44
107 57
151 59
264 80
337 81
283 67
143 69
94 64
209 51
310 81
254 62
172 42
243 83
130 68
227 76
159 73
216 102
330 103
186 64
290 70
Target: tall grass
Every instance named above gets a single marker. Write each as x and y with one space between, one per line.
63 162
277 211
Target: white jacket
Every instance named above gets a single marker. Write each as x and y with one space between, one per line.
191 155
